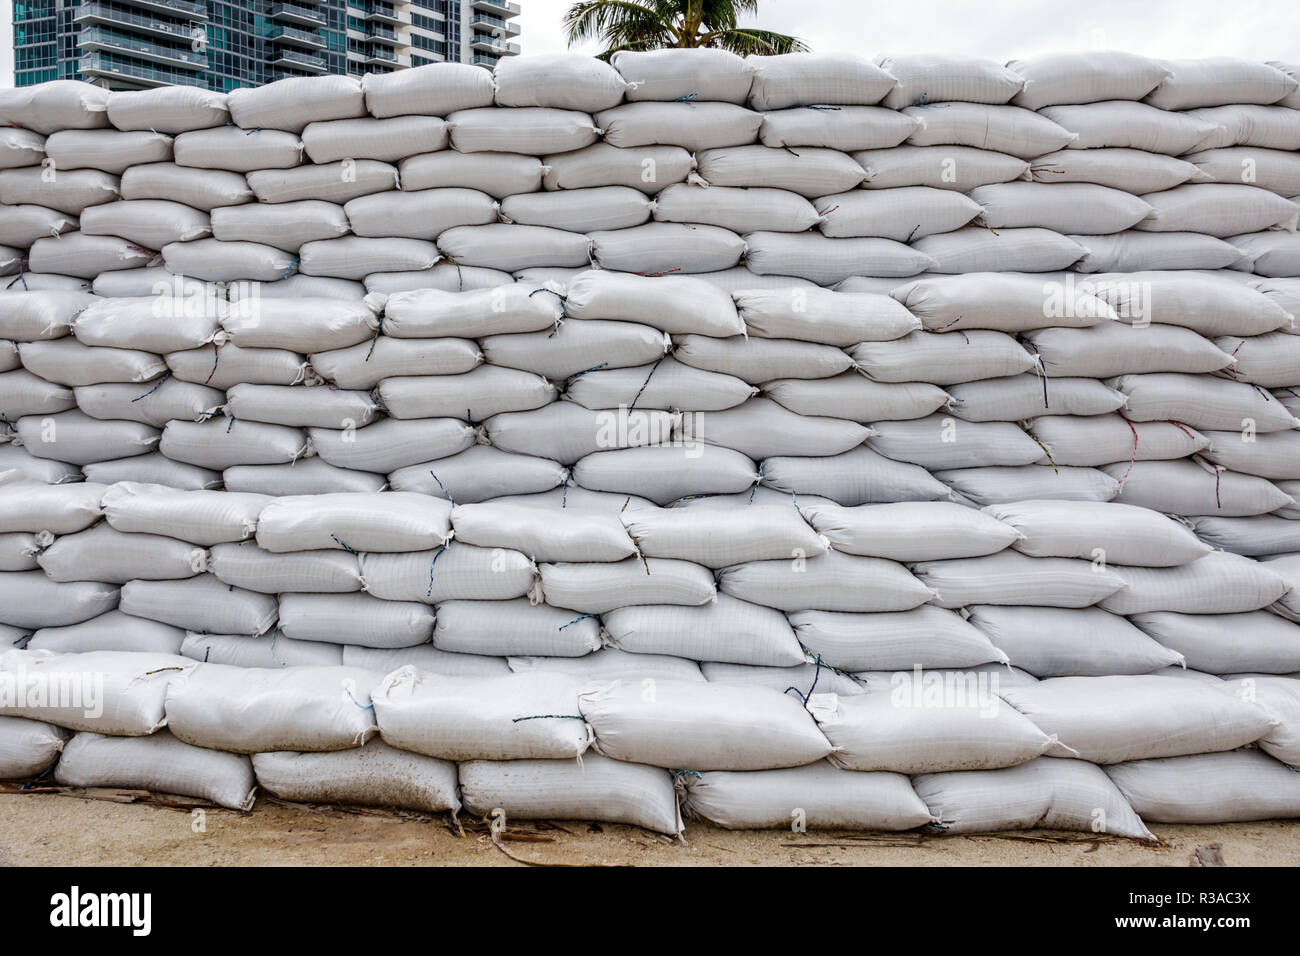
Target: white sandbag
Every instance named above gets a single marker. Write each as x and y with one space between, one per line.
515 717
1000 302
515 627
427 658
1078 642
29 505
18 552
579 210
78 439
598 588
170 399
801 79
201 603
1269 253
1236 786
664 247
109 150
1196 488
536 531
739 210
69 362
910 531
70 192
373 775
204 189
353 522
22 393
216 261
309 477
902 214
803 679
962 727
508 246
27 467
1280 696
1013 578
759 361
222 443
28 748
418 214
859 476
701 726
355 619
1219 643
973 249
154 468
1044 792
673 304
366 364
559 80
202 517
533 131
291 104
1129 125
436 89
288 405
726 629
159 763
24 224
707 74
332 182
647 168
387 140
168 109
1203 402
433 313
1098 440
826 261
1112 719
720 538
1241 124
1204 303
959 168
1238 585
1105 532
667 384
244 565
822 316
939 78
497 174
608 791
693 125
248 710
34 316
102 553
760 428
1092 77
1217 209
354 257
150 323
54 105
1214 81
272 650
238 150
664 474
390 444
21 147
810 173
829 582
845 128
817 796
855 397
110 692
1002 129
1134 251
1275 170
84 255
456 572
928 637
475 395
576 347
940 441
1020 397
285 226
1131 170
480 473
1063 207
1255 536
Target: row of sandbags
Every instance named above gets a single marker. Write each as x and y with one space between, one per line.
1144 735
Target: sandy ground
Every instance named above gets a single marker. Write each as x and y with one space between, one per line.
59 829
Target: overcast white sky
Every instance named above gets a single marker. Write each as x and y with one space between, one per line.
999 29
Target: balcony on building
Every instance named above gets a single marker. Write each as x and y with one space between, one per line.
483 42
296 13
493 25
100 66
502 8
379 12
92 12
292 36
100 38
484 60
293 59
175 8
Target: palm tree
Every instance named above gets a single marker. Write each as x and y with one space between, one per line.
655 24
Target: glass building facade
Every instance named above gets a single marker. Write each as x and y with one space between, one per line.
224 44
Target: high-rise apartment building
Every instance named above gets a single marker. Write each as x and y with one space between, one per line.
223 44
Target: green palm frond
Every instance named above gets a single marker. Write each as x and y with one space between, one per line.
628 20
746 41
656 24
